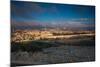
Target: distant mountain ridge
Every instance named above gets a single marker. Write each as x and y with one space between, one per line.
39 25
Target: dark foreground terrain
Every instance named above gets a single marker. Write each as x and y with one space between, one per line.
77 49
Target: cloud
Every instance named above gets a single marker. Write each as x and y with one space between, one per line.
84 19
25 9
88 21
78 24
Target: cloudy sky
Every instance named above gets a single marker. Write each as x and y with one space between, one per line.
56 14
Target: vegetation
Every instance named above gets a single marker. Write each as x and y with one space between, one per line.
39 45
31 46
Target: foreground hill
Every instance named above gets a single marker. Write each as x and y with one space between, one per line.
76 49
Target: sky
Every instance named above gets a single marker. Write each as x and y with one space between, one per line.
68 15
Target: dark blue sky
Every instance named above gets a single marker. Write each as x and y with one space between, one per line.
52 13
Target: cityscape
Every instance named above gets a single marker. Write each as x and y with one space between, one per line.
51 33
29 35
